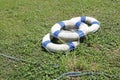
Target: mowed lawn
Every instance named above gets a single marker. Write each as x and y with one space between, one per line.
23 23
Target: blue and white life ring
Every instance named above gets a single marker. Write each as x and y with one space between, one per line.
52 47
77 22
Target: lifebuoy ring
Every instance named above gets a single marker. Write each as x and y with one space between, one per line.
77 22
49 46
69 30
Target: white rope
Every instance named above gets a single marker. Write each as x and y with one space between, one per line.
69 32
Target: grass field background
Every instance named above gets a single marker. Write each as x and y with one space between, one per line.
23 23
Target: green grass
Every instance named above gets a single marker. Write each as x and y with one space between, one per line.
23 23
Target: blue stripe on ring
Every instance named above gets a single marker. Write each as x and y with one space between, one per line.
71 45
44 44
78 24
56 33
80 33
62 24
95 22
83 18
